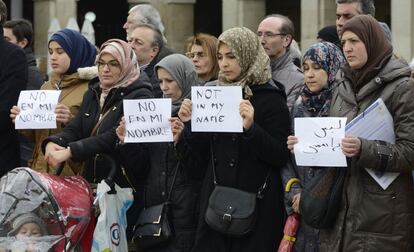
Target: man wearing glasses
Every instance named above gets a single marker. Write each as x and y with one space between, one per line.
276 33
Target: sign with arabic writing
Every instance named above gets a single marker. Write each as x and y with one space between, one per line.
319 141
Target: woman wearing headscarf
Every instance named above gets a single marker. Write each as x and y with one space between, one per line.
248 160
71 59
373 218
157 162
321 62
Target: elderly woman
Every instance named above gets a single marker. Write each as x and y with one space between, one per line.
165 177
201 49
71 57
249 161
372 218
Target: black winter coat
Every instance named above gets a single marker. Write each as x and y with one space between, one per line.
155 163
242 161
77 135
13 79
149 70
83 146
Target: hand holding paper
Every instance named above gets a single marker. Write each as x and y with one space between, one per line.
319 141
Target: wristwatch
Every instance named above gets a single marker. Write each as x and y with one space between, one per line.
384 153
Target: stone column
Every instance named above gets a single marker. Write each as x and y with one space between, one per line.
16 10
177 17
246 13
44 11
402 26
315 14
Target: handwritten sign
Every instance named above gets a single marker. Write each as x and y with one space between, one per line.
216 109
319 141
147 120
37 109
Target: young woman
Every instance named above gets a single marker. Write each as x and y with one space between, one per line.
157 162
92 131
373 218
201 49
243 161
71 58
321 62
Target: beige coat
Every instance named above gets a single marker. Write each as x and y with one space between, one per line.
373 219
73 88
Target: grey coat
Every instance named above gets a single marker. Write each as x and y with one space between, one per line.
285 72
373 219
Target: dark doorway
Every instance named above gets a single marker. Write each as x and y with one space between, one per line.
289 8
208 17
110 17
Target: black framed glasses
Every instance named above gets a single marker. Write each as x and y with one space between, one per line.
269 34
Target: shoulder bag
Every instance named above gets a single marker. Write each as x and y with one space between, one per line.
153 226
232 211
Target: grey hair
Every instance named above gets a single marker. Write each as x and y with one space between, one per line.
147 15
157 40
366 7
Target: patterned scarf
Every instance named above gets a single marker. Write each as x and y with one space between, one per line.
330 58
251 56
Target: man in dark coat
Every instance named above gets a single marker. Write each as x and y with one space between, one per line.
13 79
20 33
151 39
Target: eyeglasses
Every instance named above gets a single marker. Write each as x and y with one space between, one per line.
192 55
269 34
112 65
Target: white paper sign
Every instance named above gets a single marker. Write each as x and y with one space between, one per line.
319 141
375 123
147 120
37 109
216 109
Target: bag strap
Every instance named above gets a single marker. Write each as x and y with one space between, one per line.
101 118
173 182
262 188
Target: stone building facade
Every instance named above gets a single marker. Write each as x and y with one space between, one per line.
184 17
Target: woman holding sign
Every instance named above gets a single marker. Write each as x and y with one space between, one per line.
71 57
374 216
92 131
157 163
321 62
241 170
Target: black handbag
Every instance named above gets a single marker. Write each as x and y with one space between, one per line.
320 198
153 226
232 211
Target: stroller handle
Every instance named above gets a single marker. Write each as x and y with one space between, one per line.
109 179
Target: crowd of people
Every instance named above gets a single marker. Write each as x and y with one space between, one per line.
350 65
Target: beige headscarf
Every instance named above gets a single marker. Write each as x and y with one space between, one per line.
251 56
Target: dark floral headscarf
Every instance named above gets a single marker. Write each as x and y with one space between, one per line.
251 56
330 58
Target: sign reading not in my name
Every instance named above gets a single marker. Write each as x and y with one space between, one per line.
216 109
147 120
37 109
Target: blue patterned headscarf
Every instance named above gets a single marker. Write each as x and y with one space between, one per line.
330 58
80 51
